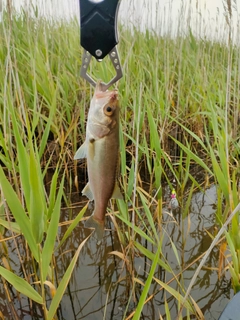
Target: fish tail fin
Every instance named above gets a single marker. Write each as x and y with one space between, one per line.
97 225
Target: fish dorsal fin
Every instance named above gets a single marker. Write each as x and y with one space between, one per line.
88 192
81 152
116 192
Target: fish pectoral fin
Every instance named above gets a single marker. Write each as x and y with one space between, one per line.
88 192
81 152
116 192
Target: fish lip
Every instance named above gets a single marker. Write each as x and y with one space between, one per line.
100 93
112 95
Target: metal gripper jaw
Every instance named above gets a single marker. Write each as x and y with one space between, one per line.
115 61
98 19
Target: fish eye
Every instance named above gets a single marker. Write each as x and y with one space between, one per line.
108 110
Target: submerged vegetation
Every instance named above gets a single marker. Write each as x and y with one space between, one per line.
179 127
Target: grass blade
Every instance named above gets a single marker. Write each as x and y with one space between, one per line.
48 248
18 213
175 294
73 225
147 286
64 282
150 255
136 229
36 200
21 285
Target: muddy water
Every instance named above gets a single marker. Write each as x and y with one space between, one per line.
100 286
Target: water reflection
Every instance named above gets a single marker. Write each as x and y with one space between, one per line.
100 287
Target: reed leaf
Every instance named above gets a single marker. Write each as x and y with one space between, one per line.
21 285
168 316
37 208
147 285
13 226
150 255
135 228
193 156
19 213
52 230
22 156
49 123
74 223
52 194
234 255
64 282
187 204
175 294
148 215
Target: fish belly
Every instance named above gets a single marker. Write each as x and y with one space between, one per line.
102 163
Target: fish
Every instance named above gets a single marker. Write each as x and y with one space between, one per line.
101 149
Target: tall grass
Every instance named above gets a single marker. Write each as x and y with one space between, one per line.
179 116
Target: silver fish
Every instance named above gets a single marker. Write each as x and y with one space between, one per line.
101 148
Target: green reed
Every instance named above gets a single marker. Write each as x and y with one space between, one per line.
179 110
29 113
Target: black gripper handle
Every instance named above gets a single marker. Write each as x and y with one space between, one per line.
98 20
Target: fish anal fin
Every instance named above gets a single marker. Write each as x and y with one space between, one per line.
88 192
92 223
116 192
81 152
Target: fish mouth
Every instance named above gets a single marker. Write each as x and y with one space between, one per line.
114 96
111 95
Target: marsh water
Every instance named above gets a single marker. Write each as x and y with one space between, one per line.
100 285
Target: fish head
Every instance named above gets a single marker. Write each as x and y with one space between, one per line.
104 112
